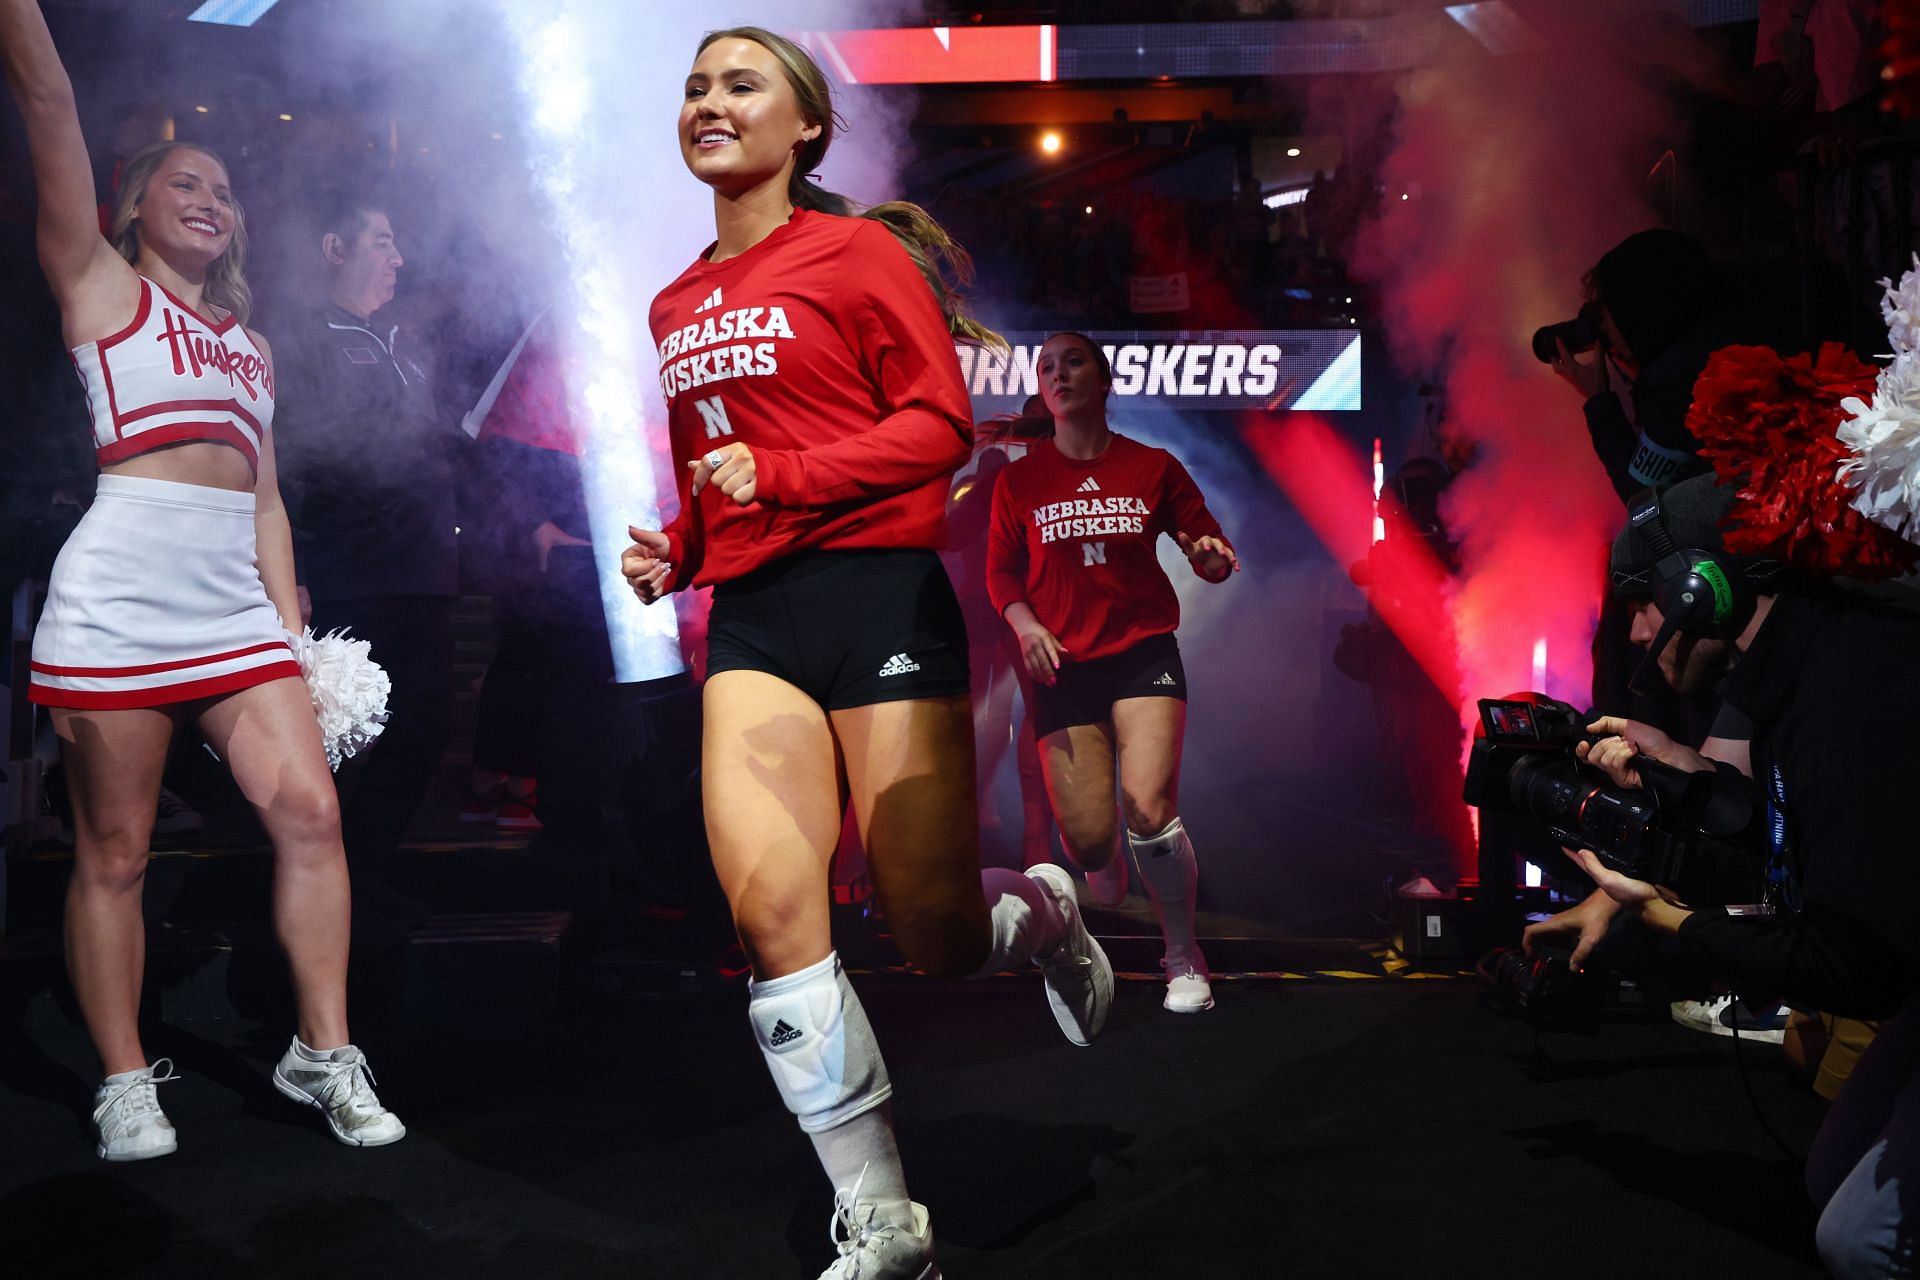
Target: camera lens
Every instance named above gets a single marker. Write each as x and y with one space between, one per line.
1580 334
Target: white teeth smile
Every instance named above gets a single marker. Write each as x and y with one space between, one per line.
201 225
714 137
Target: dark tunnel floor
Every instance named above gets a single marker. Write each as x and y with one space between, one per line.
1300 1129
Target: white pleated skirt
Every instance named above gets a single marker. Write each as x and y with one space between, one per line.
156 599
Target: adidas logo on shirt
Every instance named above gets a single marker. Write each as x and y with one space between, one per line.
784 1034
713 300
1088 486
898 665
1166 677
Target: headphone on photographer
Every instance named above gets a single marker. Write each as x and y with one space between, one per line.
1700 593
1698 590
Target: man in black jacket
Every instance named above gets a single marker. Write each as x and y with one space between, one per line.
1831 686
367 468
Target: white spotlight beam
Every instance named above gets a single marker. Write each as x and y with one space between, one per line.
600 318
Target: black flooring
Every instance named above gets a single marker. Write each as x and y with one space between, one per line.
1389 1127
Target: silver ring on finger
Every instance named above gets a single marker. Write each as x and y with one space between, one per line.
716 459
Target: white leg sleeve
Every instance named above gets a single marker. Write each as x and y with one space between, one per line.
1169 872
818 1045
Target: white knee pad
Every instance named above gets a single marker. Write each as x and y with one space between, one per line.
1166 862
818 1045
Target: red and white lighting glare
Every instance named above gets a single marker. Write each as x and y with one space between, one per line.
938 55
1408 587
1379 485
1050 142
1319 474
1531 873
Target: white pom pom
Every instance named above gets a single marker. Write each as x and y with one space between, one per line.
1900 307
349 691
1884 472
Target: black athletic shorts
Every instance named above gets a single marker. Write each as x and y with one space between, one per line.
847 628
1084 692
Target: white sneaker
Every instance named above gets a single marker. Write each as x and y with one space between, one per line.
1188 987
127 1114
1722 1016
174 816
1079 977
342 1089
1108 885
872 1250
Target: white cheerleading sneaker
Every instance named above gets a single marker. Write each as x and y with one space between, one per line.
872 1250
342 1090
1108 885
1078 975
127 1114
1189 989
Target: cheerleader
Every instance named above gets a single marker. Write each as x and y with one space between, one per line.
817 409
1072 568
172 601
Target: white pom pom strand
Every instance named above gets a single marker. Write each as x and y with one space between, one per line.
1900 307
349 691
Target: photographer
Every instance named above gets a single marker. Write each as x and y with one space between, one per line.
1831 685
1653 312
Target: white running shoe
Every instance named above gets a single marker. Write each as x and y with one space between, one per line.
342 1089
127 1114
1722 1016
1188 987
1078 974
872 1250
1108 885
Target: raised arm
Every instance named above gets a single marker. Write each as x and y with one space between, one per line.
72 251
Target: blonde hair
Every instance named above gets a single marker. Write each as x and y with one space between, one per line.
226 285
947 266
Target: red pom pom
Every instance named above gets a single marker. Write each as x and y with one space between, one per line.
1767 422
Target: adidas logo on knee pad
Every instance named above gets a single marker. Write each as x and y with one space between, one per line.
783 1033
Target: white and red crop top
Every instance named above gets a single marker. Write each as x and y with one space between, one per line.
170 377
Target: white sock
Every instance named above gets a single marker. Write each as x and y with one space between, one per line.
1027 923
863 1150
307 1053
1169 872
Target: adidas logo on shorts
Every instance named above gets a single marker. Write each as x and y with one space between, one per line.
784 1034
1088 486
898 665
1166 677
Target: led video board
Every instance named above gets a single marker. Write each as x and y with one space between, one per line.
1241 369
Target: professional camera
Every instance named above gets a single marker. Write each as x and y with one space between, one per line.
1523 762
1542 988
1582 333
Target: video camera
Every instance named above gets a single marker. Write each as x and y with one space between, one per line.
1523 762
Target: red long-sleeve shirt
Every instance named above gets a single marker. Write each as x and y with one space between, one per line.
1075 540
822 349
